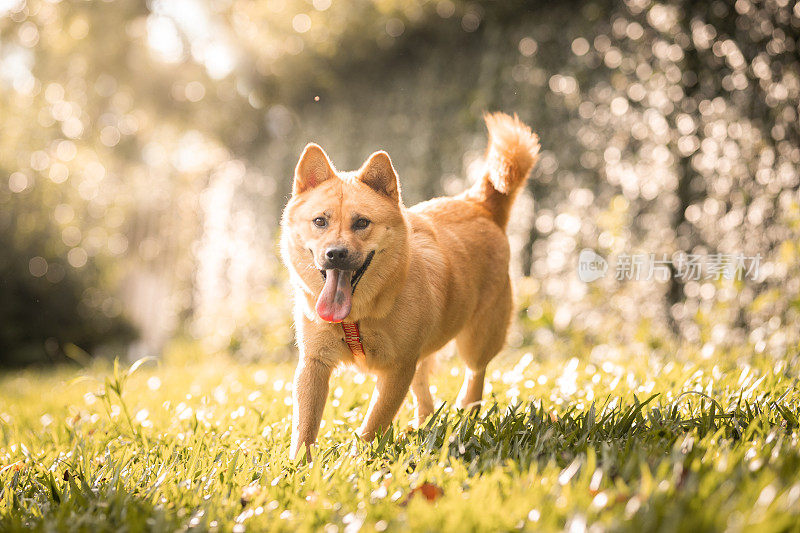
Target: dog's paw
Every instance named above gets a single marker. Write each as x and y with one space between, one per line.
301 455
365 435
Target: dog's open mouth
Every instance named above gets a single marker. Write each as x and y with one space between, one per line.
360 271
336 299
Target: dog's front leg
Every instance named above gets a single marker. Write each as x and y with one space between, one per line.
309 393
390 391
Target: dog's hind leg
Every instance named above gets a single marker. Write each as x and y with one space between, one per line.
420 388
469 397
479 342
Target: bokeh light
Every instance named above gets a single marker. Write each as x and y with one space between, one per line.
147 150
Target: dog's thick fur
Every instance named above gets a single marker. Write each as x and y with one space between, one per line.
439 271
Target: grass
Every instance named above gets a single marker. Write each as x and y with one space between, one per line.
626 444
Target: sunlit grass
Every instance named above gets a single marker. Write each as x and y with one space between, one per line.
202 443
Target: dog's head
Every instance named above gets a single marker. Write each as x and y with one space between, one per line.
339 229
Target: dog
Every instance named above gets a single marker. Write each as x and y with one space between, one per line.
383 286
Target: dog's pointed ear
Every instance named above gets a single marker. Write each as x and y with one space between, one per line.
380 175
313 168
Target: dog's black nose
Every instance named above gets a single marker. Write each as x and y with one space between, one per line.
336 254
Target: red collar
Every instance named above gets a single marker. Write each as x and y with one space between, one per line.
352 336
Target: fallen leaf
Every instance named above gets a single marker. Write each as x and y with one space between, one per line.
16 466
429 491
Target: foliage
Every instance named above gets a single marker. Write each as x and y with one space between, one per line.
45 321
147 148
660 444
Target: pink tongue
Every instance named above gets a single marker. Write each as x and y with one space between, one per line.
336 298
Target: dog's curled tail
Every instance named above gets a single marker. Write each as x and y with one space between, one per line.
512 152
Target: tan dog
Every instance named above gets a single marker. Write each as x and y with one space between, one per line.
384 286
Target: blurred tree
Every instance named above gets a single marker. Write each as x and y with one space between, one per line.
148 149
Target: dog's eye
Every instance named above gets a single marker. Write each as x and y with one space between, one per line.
361 223
320 222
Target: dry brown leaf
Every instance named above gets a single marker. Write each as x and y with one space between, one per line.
429 491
